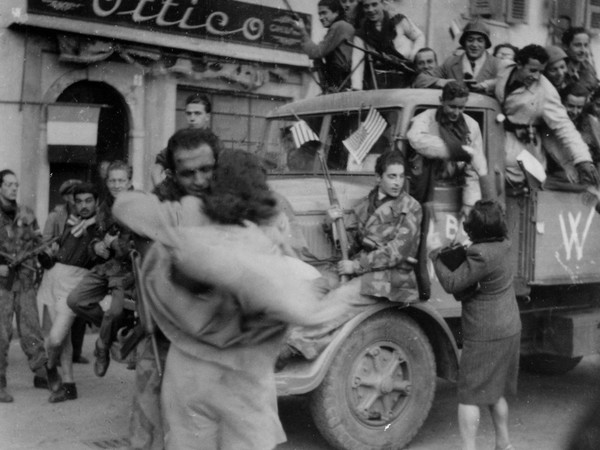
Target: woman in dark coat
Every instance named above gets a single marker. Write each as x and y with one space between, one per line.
491 324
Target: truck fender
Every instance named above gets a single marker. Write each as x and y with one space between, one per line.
305 376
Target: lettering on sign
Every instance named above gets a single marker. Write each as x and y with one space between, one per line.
224 20
572 239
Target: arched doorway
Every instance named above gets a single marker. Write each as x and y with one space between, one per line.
113 131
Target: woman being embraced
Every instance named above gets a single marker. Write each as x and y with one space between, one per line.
491 324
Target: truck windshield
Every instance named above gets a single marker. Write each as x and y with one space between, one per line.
284 156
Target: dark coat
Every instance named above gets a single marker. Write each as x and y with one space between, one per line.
452 68
484 285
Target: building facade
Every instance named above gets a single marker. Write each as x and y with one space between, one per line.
135 62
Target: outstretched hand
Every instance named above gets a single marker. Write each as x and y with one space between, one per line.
588 173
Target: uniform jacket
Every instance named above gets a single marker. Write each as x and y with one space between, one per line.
452 68
333 48
119 263
484 285
18 236
387 238
540 106
585 74
424 138
55 223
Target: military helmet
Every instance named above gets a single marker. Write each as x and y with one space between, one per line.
476 27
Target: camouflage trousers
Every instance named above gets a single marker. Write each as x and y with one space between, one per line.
145 427
21 303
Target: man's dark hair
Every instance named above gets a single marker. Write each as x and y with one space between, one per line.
454 89
595 95
334 6
387 159
499 47
5 172
570 33
85 188
531 51
574 89
200 98
239 190
486 222
191 139
120 165
423 50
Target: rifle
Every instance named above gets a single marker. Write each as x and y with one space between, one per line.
288 6
14 261
402 65
333 198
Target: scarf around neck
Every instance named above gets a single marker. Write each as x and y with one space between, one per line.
454 134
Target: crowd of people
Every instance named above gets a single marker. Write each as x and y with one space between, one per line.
223 311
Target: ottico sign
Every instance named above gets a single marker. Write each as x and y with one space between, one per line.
211 19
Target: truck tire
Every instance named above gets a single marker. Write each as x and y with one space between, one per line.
545 364
379 388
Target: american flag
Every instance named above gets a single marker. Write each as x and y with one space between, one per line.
362 140
302 133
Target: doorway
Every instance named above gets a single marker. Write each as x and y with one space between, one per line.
113 133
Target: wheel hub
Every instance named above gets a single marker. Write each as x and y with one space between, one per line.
380 383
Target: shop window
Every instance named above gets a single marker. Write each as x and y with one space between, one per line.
238 120
510 11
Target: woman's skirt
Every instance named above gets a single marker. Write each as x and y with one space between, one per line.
488 370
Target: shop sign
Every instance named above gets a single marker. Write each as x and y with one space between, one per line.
227 20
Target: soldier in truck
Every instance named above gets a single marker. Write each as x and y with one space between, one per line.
382 256
535 118
445 140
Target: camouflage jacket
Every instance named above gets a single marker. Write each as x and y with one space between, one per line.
387 238
18 236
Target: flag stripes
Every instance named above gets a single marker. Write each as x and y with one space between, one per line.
302 133
362 140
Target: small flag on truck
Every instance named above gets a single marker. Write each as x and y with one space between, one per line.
362 140
302 134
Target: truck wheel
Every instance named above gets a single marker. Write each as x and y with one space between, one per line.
548 364
379 387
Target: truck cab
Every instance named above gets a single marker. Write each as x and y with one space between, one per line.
379 371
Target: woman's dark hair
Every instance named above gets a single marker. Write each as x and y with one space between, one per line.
239 190
191 139
335 7
486 222
570 33
387 159
5 172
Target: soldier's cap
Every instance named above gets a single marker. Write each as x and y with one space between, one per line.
67 187
555 53
476 27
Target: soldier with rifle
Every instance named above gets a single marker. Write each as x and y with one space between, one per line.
381 257
19 234
393 39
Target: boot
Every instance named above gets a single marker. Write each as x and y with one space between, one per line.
5 397
70 391
59 395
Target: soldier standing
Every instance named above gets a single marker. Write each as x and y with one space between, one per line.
19 233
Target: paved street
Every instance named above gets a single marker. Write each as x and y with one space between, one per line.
541 417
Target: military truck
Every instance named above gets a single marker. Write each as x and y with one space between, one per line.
374 385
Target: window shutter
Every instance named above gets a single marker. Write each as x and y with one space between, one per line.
517 11
593 15
482 8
